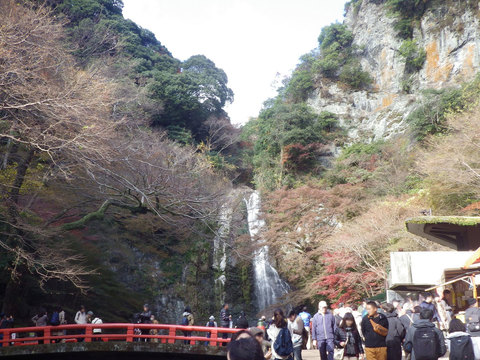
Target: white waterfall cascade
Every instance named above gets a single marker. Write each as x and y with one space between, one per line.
269 287
220 250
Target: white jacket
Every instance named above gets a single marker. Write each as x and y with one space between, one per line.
97 321
81 318
294 325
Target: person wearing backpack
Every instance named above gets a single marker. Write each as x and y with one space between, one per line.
424 341
282 346
396 333
211 323
187 320
459 342
472 318
375 330
409 317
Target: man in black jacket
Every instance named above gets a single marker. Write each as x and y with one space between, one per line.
225 319
374 330
396 333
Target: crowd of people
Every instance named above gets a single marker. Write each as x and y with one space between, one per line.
421 329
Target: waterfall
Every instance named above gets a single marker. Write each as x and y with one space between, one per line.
220 251
269 287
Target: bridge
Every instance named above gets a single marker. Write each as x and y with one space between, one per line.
114 341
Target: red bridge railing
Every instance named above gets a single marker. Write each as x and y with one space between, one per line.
167 334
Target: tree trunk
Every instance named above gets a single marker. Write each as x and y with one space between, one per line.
13 293
22 168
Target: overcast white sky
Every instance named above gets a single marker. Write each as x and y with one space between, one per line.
251 40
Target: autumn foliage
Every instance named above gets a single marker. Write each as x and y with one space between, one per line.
342 280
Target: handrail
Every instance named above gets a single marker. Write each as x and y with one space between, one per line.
122 332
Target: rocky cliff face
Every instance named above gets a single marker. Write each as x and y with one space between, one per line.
449 32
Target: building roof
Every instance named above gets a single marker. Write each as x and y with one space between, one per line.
455 232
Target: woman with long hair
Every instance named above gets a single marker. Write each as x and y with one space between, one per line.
348 338
279 329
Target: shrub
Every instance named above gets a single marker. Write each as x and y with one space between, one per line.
430 117
406 12
413 55
327 121
336 35
353 75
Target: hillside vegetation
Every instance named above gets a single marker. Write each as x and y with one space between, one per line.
336 208
115 160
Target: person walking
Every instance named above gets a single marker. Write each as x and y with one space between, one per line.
96 331
6 322
282 346
145 317
259 335
427 303
296 326
375 330
40 320
409 317
225 319
348 338
396 333
472 318
154 331
323 331
242 322
187 320
211 323
444 317
459 342
306 317
81 316
424 340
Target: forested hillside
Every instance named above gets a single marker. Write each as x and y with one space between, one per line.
115 160
373 126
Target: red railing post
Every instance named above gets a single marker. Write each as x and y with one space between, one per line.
193 342
6 337
130 333
88 334
172 333
46 335
214 336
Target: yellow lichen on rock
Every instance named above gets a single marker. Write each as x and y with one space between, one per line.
468 69
434 72
386 101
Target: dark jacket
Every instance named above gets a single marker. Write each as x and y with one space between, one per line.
372 339
242 323
224 318
431 306
396 330
354 345
323 327
145 317
408 346
408 319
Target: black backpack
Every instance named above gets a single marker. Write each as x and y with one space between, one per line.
185 321
461 348
426 344
283 345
